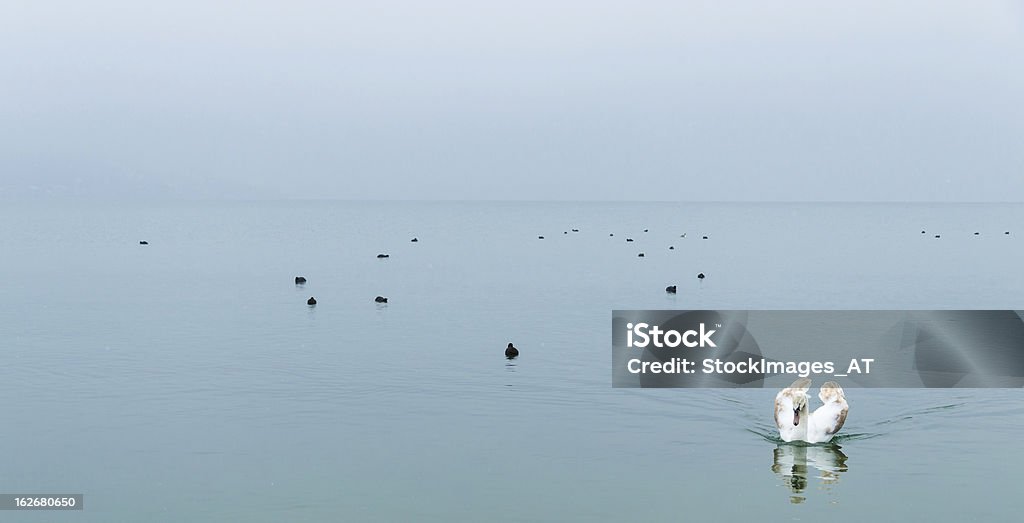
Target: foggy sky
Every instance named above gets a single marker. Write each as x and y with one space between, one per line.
548 100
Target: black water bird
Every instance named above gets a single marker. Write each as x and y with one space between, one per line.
380 299
938 236
705 237
299 280
575 230
382 256
671 289
700 276
311 301
414 240
671 248
641 255
144 242
629 239
511 351
977 233
540 237
645 230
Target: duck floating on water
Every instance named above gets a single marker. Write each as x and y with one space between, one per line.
796 424
511 351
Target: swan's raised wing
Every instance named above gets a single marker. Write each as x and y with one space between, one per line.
831 392
831 416
801 385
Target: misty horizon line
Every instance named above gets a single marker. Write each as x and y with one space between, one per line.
171 199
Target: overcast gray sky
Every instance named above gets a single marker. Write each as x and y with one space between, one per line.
673 100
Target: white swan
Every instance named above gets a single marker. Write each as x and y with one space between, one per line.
791 412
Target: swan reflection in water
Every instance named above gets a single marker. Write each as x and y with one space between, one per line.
796 464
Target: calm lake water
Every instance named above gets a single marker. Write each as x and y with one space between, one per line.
188 380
